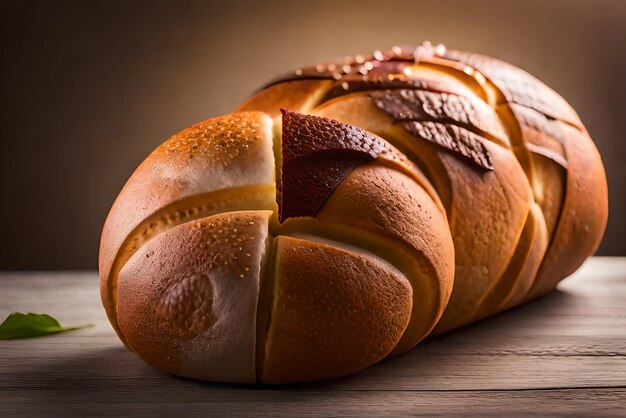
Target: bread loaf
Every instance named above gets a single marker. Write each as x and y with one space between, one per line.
346 212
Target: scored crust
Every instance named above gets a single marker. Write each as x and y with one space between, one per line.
486 209
504 195
181 310
396 94
583 217
391 205
220 164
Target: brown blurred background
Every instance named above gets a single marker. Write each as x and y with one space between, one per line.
88 89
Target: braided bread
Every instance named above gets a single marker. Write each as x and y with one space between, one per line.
347 211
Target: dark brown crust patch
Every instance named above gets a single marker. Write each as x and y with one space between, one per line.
306 134
309 181
428 116
418 105
318 153
453 138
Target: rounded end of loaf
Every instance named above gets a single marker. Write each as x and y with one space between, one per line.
187 300
220 164
583 217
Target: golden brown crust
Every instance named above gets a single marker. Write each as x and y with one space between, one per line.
296 96
360 110
583 217
336 311
504 190
188 298
517 86
495 203
520 273
392 205
541 126
218 155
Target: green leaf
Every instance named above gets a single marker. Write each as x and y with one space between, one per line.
19 325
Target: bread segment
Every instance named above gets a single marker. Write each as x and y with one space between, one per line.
195 173
391 205
336 310
583 217
187 300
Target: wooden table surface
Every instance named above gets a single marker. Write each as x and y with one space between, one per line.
564 354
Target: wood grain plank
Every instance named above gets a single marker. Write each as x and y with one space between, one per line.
565 353
205 401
